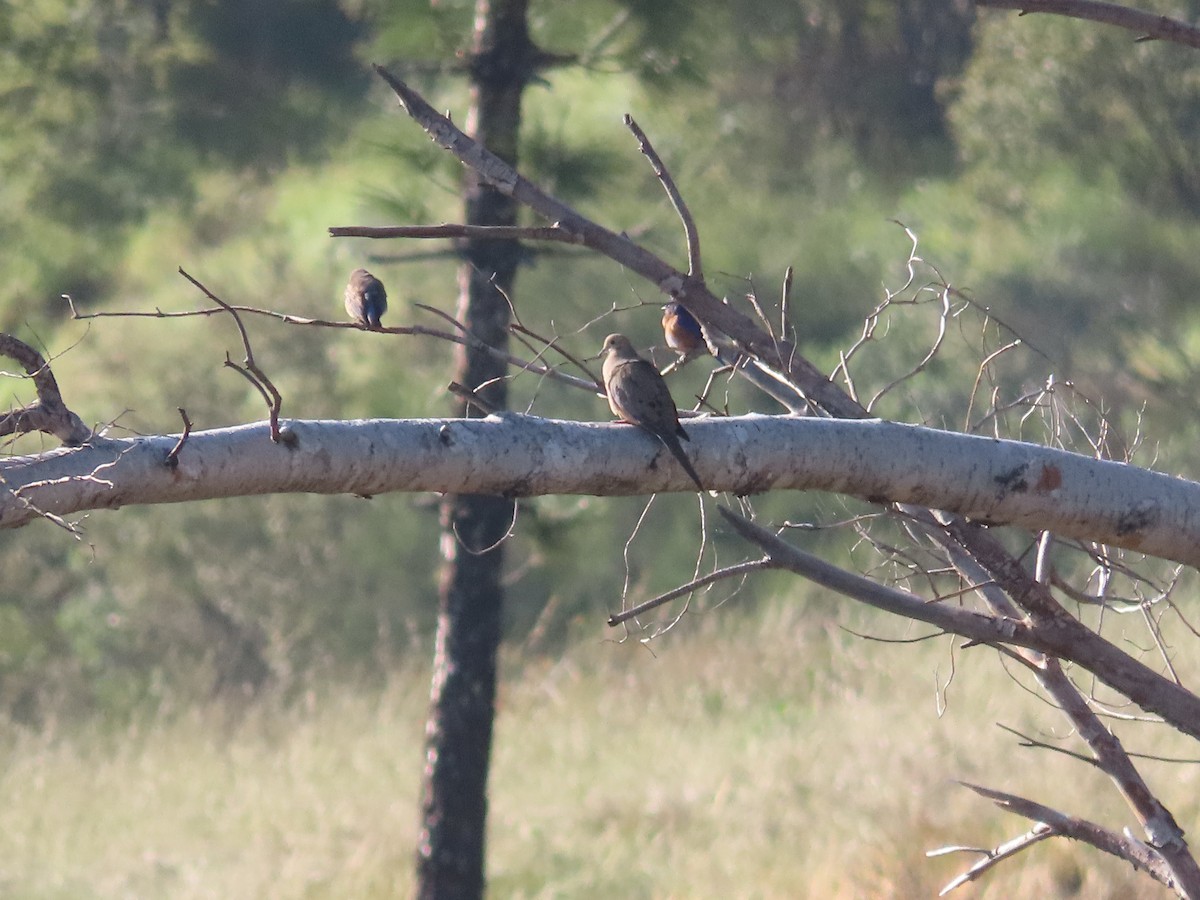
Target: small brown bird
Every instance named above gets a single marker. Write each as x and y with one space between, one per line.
366 300
638 395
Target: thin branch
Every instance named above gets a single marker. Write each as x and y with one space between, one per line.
993 858
1034 744
172 459
552 344
249 368
695 268
409 330
470 396
933 350
473 232
966 623
38 512
476 343
983 367
1141 856
48 414
1116 604
882 640
721 574
785 305
287 318
508 533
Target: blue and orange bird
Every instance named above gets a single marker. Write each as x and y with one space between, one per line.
366 299
681 330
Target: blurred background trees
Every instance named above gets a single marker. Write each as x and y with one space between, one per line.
1044 165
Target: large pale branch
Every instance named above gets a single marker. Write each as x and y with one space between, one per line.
773 353
522 455
985 479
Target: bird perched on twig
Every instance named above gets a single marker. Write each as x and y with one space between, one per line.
638 395
366 299
681 330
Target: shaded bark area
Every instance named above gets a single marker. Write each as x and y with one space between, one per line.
451 851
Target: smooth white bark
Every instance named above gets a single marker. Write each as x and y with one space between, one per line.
983 478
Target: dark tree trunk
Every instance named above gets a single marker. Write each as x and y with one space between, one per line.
450 855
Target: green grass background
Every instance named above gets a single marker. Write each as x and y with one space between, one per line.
767 754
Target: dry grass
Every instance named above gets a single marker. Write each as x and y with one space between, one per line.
749 756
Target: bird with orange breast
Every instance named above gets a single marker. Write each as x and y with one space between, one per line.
681 330
637 394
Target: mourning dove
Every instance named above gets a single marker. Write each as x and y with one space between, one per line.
638 395
681 330
366 299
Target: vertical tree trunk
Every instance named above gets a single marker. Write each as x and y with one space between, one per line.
450 854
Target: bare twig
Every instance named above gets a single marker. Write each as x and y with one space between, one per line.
288 318
249 368
933 350
983 368
785 307
537 368
993 858
173 455
1034 744
711 578
1141 856
48 413
752 299
553 344
695 268
473 232
480 551
470 396
410 330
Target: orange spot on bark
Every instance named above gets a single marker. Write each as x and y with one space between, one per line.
1049 480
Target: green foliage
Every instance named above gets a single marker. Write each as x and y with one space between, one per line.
111 110
259 80
616 772
800 76
793 131
420 35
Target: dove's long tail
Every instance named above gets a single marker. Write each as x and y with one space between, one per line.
671 442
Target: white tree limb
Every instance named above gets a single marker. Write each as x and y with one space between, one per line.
983 478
